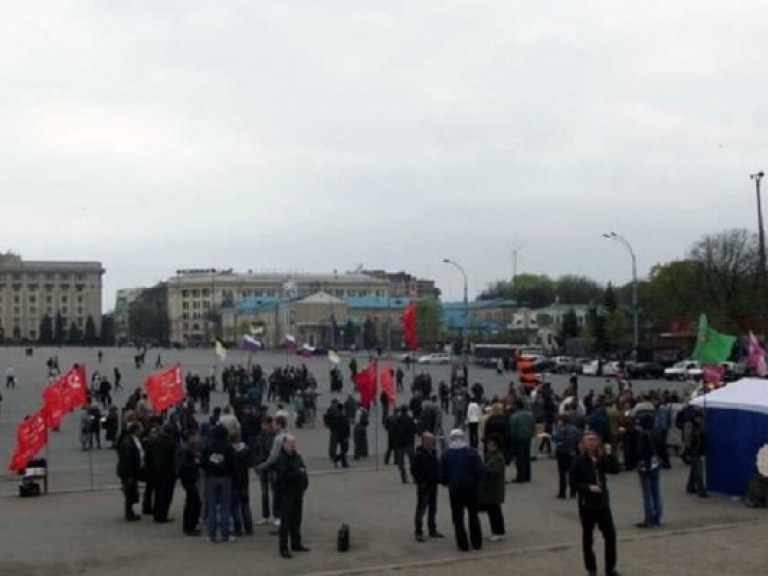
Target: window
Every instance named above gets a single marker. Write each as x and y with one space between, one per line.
185 293
64 310
64 299
33 310
81 277
49 287
196 305
185 305
48 299
16 311
185 315
63 276
80 310
79 287
32 299
32 287
64 286
206 293
80 322
16 276
206 304
16 299
79 299
16 287
185 326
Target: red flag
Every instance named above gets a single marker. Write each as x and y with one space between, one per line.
164 388
409 326
31 435
72 388
385 377
366 384
53 407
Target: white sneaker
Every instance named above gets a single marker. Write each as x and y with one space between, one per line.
276 523
263 521
496 538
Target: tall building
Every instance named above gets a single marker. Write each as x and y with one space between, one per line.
196 298
30 290
404 285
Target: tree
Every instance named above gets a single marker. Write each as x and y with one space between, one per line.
89 338
569 327
429 314
107 334
59 330
572 289
75 336
46 330
370 338
531 290
609 299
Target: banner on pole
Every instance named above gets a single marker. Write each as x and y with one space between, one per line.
164 388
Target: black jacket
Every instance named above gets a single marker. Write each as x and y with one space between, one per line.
186 467
403 431
218 459
584 473
160 456
292 479
425 469
129 465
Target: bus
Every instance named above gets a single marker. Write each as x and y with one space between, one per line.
487 355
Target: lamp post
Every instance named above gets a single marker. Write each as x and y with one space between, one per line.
635 311
761 247
466 310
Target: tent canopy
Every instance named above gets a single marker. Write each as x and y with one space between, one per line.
750 394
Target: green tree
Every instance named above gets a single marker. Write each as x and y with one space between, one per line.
609 299
569 328
74 336
89 338
370 338
616 331
46 330
107 333
429 313
572 289
59 330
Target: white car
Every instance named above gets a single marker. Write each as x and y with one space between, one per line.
685 370
609 368
436 358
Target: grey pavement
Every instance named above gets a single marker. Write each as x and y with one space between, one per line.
78 531
83 533
71 468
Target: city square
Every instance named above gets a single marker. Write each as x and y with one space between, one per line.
78 529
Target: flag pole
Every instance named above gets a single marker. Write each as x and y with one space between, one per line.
376 421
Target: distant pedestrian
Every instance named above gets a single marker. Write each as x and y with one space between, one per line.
217 461
492 489
187 466
695 438
10 377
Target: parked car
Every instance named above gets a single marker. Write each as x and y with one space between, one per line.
685 370
648 370
436 358
609 368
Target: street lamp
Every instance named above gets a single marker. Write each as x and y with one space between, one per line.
635 317
761 246
466 309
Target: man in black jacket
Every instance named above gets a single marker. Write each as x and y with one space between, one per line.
161 452
187 467
218 461
338 422
129 468
589 482
292 482
403 438
426 475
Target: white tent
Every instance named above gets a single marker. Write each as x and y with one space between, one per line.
749 394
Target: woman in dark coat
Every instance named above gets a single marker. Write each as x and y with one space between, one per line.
492 489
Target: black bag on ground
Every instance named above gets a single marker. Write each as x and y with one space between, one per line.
342 542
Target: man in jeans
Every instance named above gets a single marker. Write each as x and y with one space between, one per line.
218 461
426 475
694 436
264 447
268 465
648 469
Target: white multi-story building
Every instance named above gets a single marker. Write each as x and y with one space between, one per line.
196 297
30 290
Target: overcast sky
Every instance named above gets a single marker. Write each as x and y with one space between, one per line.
324 134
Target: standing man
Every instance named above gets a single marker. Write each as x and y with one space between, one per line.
473 420
161 453
218 461
264 444
402 441
695 438
10 377
589 482
426 475
361 434
187 464
118 378
648 469
566 439
280 424
521 428
292 482
461 469
129 468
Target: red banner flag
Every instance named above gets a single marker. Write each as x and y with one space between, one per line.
366 384
385 377
409 326
53 406
72 388
31 435
164 388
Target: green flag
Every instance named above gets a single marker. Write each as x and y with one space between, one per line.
711 346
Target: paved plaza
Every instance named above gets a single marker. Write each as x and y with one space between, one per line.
78 531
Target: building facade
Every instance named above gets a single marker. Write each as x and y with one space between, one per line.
404 285
197 298
30 290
